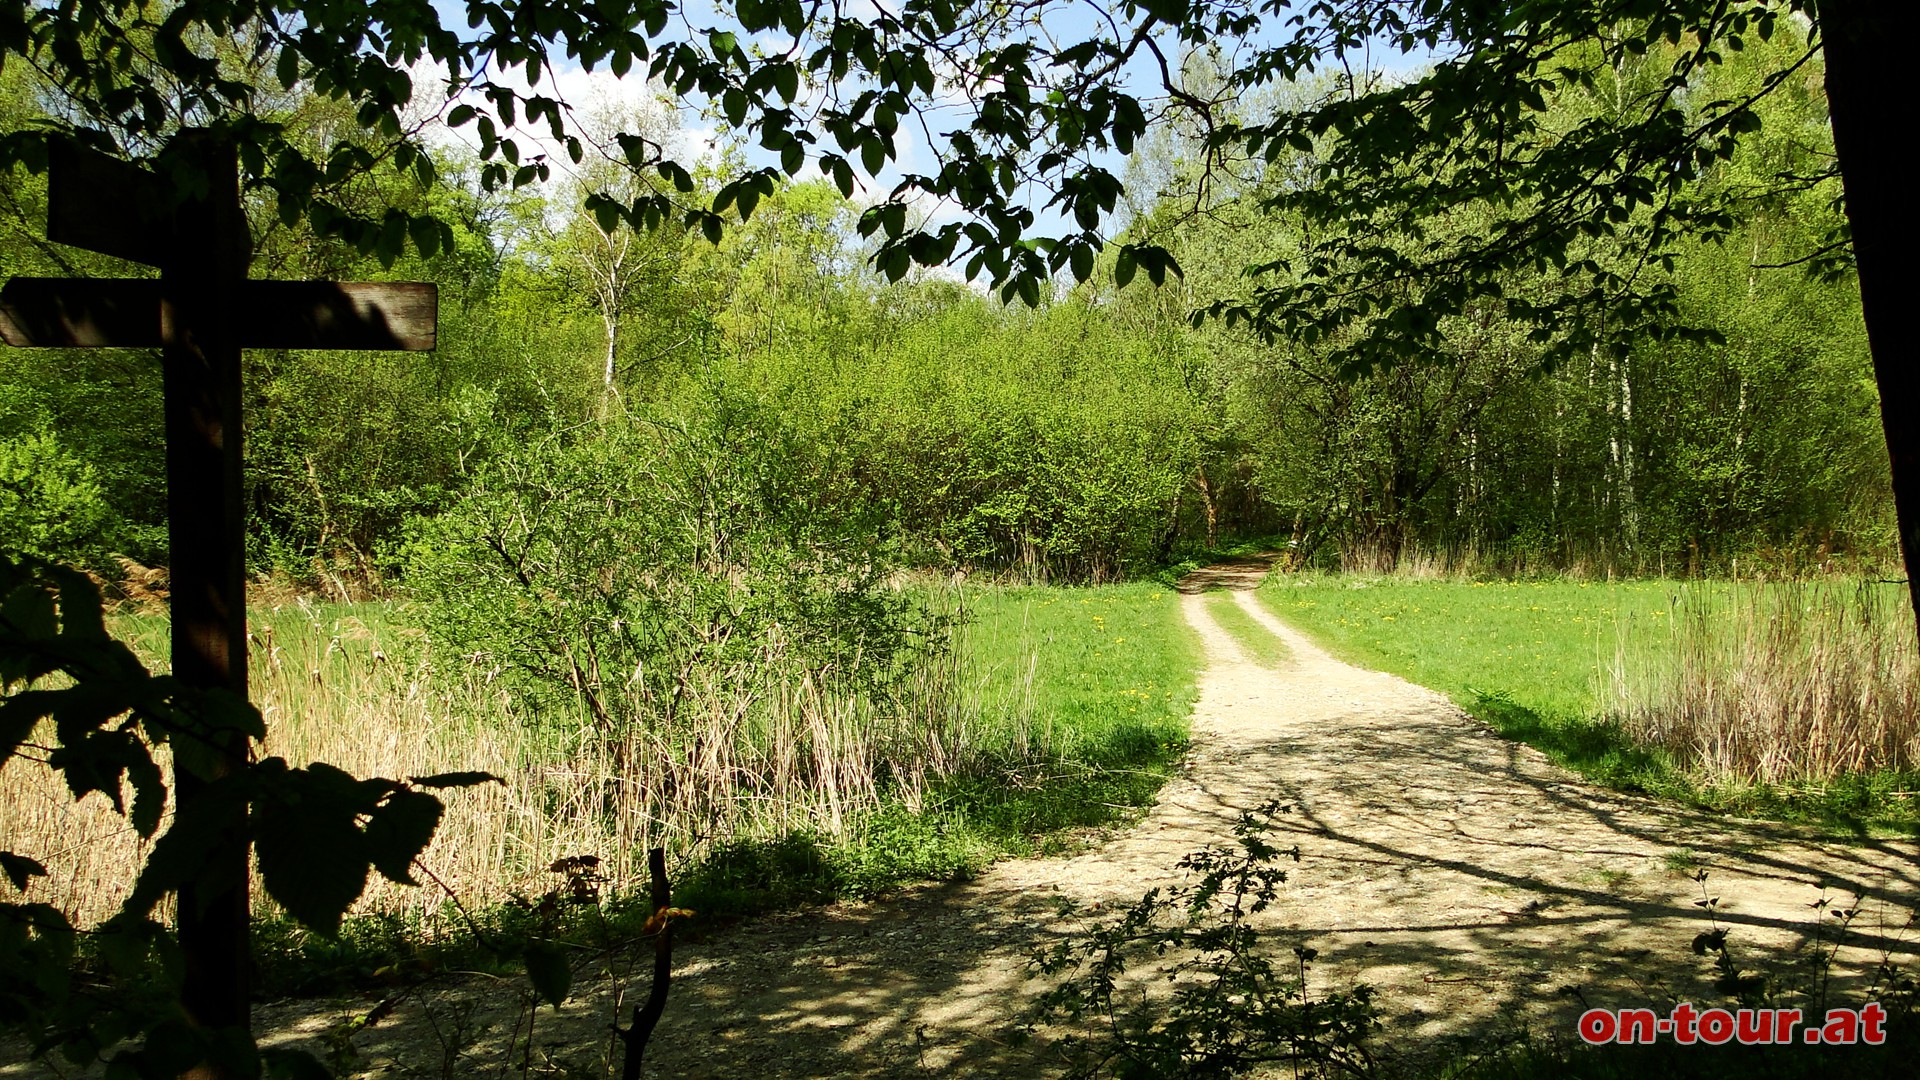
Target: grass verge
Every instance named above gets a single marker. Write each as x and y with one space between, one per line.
1258 642
1532 659
1068 708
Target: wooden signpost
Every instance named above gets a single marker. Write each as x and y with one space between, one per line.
200 313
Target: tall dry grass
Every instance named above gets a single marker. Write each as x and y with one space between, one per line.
346 685
1775 682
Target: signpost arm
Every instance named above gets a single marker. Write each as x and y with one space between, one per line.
206 534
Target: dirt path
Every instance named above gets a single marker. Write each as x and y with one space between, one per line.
1461 874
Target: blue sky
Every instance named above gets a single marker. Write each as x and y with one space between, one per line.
1069 22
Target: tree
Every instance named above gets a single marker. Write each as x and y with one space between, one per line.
603 253
1598 202
1864 41
1044 99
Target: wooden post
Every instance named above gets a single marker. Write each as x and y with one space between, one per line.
206 535
201 313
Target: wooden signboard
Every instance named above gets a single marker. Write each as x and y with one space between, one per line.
200 313
125 313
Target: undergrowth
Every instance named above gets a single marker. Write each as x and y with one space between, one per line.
1081 697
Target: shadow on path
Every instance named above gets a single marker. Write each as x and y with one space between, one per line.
1466 877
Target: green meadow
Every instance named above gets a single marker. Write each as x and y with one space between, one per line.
1098 673
1622 680
1543 644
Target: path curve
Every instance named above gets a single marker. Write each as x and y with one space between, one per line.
1464 876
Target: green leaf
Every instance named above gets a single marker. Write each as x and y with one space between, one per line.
126 943
149 794
19 869
286 68
426 236
681 179
548 970
1123 267
1156 262
461 114
1030 291
19 715
29 612
399 831
313 857
455 780
87 705
842 174
606 213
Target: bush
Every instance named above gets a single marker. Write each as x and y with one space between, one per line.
621 566
684 593
51 503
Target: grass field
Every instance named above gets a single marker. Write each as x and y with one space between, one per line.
1544 644
1094 671
1608 677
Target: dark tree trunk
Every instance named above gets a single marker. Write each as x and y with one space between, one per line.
1868 47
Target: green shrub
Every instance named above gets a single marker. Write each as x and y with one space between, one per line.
624 566
1180 985
51 503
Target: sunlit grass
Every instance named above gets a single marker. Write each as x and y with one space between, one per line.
1259 643
1597 674
1545 644
1095 668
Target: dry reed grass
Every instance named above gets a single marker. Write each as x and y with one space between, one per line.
340 684
1784 682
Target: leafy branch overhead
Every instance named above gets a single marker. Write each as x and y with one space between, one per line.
1014 102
